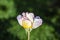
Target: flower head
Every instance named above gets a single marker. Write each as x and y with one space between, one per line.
28 21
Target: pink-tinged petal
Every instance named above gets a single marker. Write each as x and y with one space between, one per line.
24 14
27 14
19 18
37 22
30 16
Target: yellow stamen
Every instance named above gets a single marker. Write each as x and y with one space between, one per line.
26 24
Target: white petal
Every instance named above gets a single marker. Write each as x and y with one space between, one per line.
19 18
30 16
37 23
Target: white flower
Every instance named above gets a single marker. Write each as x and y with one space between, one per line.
28 21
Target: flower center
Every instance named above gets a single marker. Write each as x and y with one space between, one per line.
26 24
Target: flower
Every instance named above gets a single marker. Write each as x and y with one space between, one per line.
29 21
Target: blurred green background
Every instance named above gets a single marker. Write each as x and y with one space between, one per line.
48 10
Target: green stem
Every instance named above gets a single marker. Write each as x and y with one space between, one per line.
28 34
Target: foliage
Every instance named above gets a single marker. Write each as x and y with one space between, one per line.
7 9
48 10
